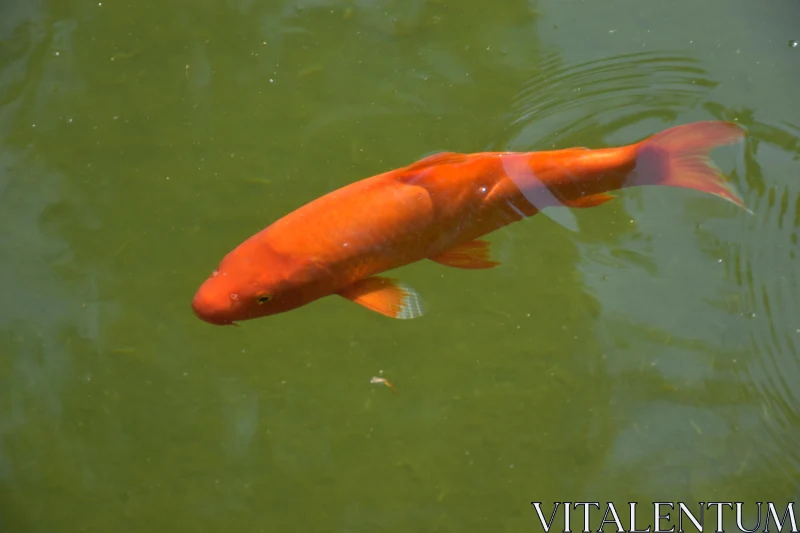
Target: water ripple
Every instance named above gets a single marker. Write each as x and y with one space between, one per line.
577 101
714 331
764 269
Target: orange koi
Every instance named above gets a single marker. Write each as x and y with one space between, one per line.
437 209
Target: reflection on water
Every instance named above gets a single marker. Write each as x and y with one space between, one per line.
44 321
39 315
651 350
701 311
697 326
764 270
240 416
53 312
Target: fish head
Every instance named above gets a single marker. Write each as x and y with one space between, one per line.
254 281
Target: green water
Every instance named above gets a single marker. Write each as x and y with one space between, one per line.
643 350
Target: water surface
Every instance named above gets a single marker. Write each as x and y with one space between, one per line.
642 350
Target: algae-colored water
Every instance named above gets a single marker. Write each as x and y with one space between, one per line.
642 350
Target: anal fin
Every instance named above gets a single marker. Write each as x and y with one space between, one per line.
385 296
592 200
468 255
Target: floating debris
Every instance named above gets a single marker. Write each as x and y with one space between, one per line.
376 379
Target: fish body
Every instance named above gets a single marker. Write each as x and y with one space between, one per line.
437 208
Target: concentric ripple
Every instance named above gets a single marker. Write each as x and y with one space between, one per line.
765 270
566 103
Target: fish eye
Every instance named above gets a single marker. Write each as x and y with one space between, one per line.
263 298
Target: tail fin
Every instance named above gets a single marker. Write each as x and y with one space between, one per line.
678 157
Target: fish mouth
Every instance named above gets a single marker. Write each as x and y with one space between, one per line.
210 317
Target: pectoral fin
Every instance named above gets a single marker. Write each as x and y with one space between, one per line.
590 201
385 296
470 255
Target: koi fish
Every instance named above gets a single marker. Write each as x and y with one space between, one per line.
437 208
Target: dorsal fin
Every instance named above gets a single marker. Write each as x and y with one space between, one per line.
435 159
